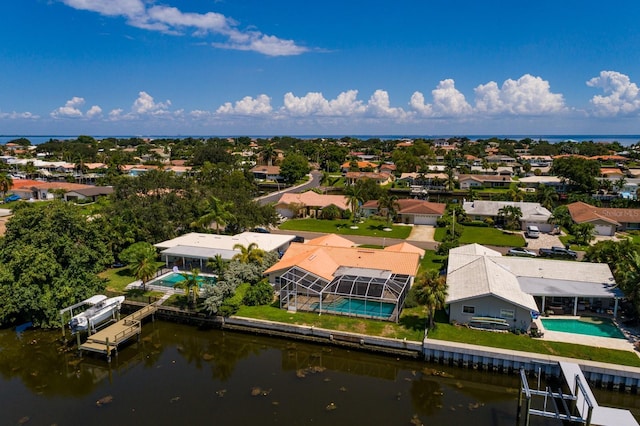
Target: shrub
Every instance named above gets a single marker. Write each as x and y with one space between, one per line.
478 223
229 307
259 294
331 212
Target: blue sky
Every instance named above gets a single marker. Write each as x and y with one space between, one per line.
283 67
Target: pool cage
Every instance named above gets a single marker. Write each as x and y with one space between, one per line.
361 292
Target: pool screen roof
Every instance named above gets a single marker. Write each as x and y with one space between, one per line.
354 282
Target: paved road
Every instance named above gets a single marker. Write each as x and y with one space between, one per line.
313 182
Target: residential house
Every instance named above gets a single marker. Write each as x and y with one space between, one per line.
484 181
532 213
195 249
606 220
410 211
483 284
264 173
379 178
92 193
361 165
321 277
308 203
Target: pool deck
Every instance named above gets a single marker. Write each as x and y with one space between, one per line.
628 344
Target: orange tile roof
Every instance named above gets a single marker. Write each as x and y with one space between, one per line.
314 199
361 165
323 261
332 240
582 212
405 247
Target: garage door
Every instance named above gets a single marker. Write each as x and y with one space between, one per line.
424 219
603 230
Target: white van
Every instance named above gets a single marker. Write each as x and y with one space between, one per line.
532 231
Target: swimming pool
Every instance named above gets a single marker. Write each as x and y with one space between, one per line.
358 307
590 326
174 278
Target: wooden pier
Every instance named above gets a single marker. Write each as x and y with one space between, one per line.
108 339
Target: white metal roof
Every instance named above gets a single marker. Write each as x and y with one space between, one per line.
266 242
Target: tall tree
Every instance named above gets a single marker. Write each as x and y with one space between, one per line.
354 195
6 183
546 196
389 204
249 254
431 291
141 259
190 284
216 211
294 167
579 172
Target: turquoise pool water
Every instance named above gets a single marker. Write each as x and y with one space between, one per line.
358 307
174 278
600 327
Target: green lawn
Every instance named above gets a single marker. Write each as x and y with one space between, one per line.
371 228
431 261
568 239
485 236
411 324
452 333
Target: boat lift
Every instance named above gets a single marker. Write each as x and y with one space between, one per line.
579 406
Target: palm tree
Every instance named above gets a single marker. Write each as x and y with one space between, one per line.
268 153
217 212
5 183
355 197
390 204
431 291
190 284
144 269
217 263
511 216
251 253
620 183
547 196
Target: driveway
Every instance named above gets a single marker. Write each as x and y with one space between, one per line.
422 233
544 241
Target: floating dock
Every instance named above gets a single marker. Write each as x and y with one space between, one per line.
108 339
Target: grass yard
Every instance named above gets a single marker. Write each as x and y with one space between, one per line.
370 228
453 333
568 239
485 236
411 324
431 261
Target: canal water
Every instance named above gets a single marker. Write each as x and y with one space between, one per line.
179 375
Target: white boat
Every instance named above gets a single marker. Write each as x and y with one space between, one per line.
102 309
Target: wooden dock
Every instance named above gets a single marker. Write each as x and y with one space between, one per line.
108 339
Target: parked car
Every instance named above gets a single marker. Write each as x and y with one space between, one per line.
12 197
532 232
298 239
261 230
558 252
522 252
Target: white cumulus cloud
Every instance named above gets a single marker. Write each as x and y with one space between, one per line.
447 101
261 105
18 115
621 95
71 109
379 105
146 105
172 20
527 95
345 104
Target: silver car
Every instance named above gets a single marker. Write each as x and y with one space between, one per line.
522 252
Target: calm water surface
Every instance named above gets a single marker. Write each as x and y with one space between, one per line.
178 375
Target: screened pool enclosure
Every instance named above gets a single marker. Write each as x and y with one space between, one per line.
361 292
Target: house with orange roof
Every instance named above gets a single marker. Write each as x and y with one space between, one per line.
360 164
308 203
379 178
612 172
410 211
606 220
352 281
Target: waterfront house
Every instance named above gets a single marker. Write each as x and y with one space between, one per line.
328 275
532 213
484 284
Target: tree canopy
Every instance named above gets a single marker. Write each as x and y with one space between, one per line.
49 259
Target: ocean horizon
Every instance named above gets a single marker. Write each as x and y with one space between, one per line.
624 140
